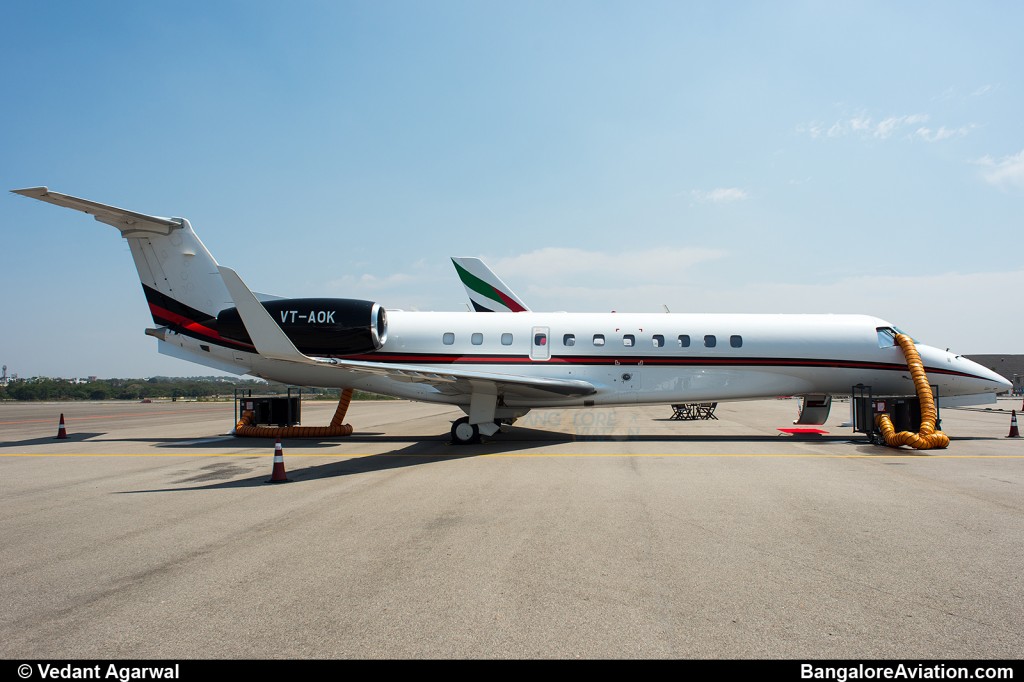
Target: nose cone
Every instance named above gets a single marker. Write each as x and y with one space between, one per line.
966 377
994 382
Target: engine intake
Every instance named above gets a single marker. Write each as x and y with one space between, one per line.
318 326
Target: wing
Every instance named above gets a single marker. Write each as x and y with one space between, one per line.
271 341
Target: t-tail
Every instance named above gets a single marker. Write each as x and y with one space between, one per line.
179 276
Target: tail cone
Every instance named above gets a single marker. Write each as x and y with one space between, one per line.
61 431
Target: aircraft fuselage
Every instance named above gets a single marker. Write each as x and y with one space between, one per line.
654 358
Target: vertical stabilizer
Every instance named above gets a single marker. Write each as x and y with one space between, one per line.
486 291
178 274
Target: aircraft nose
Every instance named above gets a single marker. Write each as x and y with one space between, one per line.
967 376
992 381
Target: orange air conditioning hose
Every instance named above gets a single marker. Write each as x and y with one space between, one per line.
245 428
927 437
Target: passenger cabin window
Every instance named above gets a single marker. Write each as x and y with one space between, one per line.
598 339
540 339
684 340
448 338
569 340
659 341
506 339
710 341
476 339
736 341
628 340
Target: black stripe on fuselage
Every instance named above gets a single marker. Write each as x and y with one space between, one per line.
188 321
164 301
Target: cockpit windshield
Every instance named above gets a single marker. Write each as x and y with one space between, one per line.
887 336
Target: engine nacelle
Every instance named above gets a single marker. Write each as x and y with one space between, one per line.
318 326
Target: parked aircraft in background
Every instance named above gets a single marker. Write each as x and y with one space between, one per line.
487 293
498 367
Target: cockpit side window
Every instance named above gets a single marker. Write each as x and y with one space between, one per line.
886 337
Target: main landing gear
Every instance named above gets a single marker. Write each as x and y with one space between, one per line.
464 433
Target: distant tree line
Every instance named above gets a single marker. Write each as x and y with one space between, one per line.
193 388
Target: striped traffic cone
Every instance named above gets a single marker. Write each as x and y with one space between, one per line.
278 475
1014 433
61 431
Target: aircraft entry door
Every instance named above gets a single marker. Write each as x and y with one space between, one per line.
540 348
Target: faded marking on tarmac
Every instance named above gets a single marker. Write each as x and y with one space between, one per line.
498 455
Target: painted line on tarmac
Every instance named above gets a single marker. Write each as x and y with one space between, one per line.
121 415
498 455
203 441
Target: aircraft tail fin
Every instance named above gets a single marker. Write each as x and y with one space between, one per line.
179 276
485 289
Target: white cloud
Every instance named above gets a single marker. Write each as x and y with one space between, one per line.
865 127
1005 173
971 319
374 282
887 127
951 93
811 129
942 132
720 195
962 312
570 267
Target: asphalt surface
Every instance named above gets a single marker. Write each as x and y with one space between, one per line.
608 533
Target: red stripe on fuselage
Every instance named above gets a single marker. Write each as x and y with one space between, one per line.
413 358
196 329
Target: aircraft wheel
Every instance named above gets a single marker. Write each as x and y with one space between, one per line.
464 433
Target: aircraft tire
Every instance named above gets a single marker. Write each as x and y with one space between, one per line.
464 433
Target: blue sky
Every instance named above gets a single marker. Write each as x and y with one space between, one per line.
735 157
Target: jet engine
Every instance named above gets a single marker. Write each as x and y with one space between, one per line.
318 326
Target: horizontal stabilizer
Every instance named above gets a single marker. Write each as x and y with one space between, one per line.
126 221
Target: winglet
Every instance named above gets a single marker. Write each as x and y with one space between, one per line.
269 339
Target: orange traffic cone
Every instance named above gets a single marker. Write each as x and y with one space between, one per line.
1014 433
278 475
61 431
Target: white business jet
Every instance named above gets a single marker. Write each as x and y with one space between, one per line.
498 367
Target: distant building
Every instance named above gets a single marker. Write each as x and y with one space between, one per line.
1009 366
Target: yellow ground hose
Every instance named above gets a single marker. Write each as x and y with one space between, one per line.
246 429
927 437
